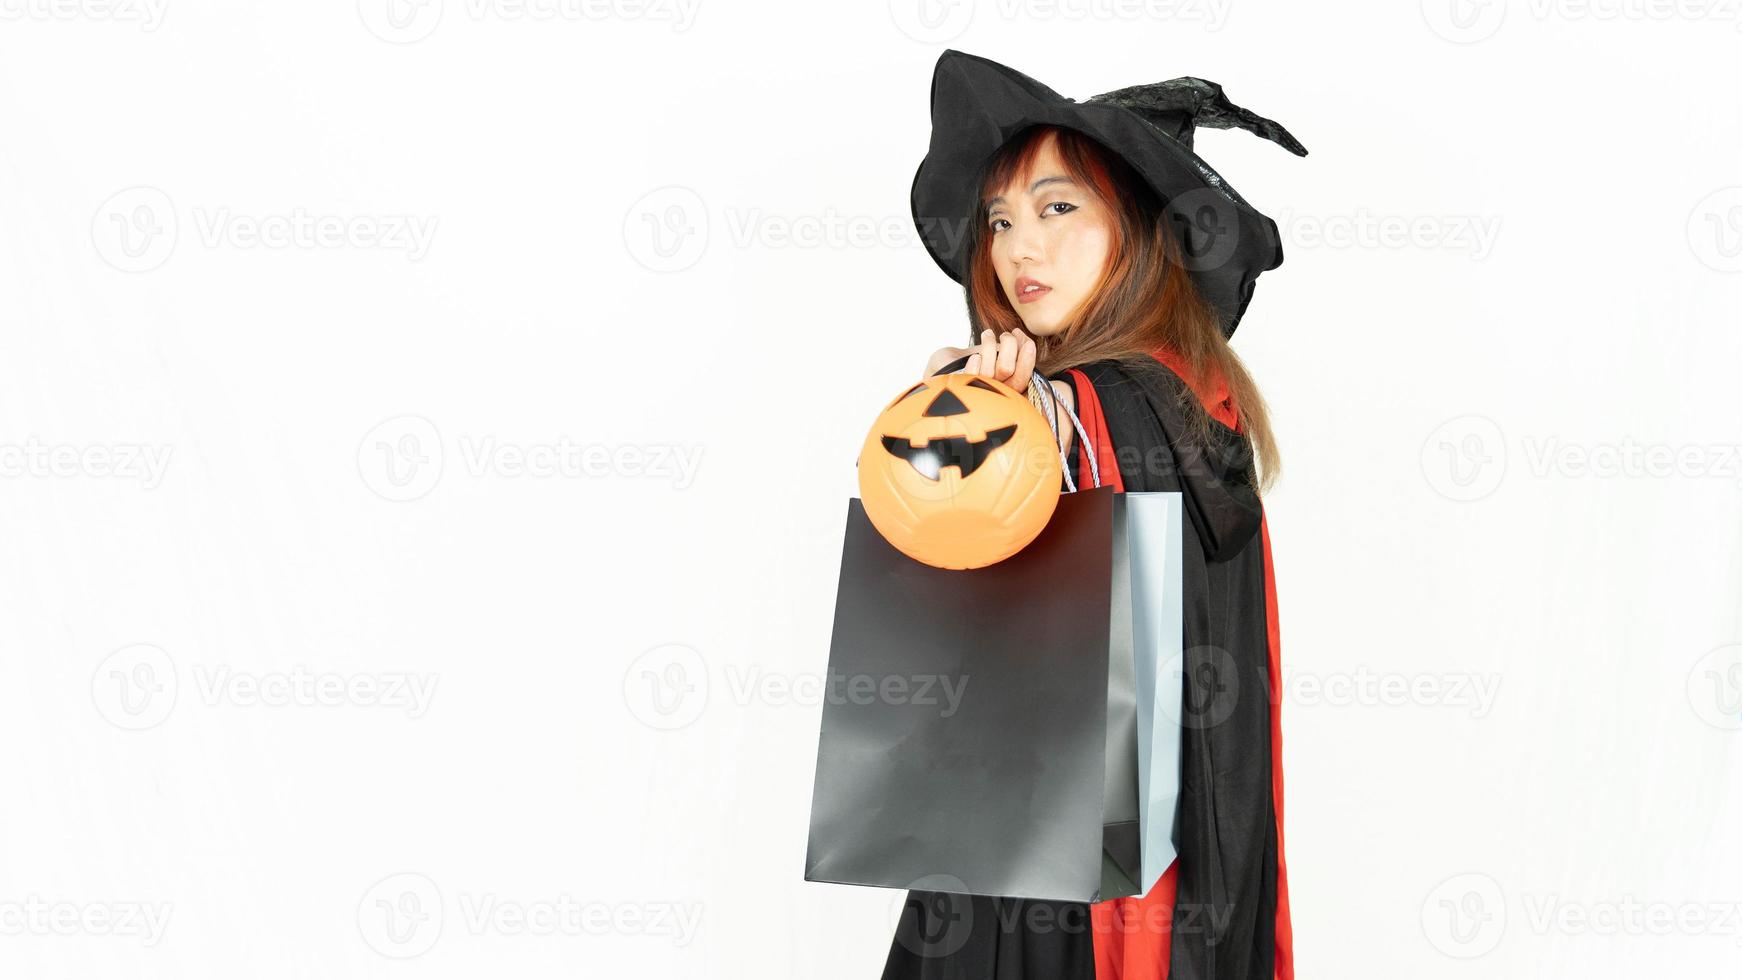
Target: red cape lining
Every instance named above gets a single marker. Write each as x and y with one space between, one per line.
1133 936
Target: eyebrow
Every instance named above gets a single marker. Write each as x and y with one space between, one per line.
1033 188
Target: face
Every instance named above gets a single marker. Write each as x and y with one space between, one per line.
1051 233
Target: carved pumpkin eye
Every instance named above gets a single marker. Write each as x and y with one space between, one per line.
977 383
916 389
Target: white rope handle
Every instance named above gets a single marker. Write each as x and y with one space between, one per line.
1054 403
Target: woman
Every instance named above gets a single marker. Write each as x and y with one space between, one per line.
1073 271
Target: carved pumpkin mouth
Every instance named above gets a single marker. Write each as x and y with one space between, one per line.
958 451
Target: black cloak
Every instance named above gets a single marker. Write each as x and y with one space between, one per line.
1225 917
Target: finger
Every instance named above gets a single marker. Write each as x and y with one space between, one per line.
1009 346
973 365
988 363
1024 365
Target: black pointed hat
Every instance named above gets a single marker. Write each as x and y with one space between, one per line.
978 104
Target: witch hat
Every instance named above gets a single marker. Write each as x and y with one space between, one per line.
978 104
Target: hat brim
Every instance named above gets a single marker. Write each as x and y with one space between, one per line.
977 105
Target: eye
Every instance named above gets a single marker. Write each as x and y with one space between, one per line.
911 391
1059 204
995 228
977 383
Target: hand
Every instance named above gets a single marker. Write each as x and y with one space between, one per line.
942 356
1009 358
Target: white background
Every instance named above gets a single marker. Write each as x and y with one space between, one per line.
1500 359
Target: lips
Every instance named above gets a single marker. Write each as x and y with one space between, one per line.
1025 294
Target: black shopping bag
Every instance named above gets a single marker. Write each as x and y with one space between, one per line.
979 731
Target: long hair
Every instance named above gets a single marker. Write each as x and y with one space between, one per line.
1144 300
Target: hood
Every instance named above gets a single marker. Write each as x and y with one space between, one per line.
1148 409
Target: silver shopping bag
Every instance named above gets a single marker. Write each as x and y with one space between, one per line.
1154 522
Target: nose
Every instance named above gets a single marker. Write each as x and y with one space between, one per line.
945 404
1025 243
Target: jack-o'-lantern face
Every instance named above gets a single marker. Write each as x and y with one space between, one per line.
959 471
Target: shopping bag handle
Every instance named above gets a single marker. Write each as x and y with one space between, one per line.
1053 404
